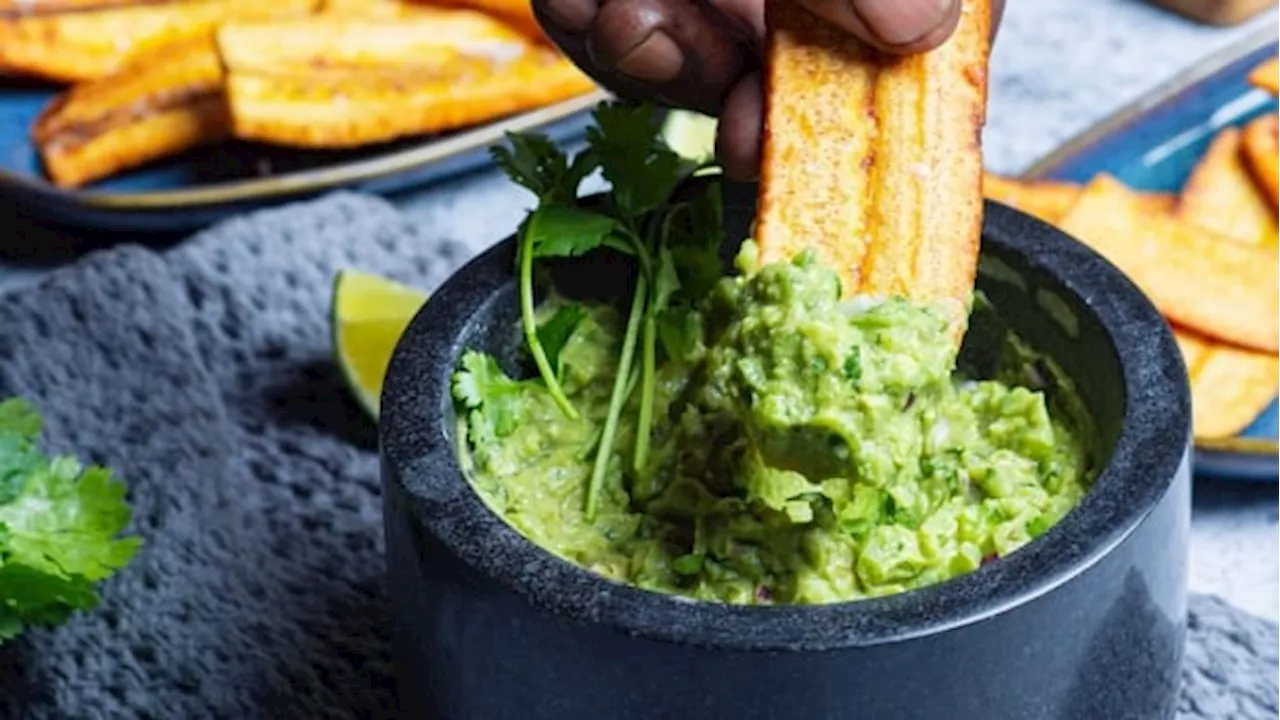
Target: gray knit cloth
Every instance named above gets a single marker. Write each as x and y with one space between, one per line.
203 376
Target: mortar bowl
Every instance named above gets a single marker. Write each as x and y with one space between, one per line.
1085 622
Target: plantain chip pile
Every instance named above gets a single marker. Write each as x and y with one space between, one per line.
148 79
1207 257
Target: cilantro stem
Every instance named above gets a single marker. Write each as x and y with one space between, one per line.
644 424
588 451
617 397
530 322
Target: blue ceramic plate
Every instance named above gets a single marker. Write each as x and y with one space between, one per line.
1153 145
205 185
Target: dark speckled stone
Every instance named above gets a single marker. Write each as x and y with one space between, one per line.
1086 622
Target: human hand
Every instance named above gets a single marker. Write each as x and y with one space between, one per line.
705 55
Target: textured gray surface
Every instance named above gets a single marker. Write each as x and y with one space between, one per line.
203 376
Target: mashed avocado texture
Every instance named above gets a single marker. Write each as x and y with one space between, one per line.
805 449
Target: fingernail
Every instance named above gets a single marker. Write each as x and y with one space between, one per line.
898 22
656 59
573 16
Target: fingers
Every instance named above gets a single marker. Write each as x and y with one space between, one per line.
569 16
738 133
897 26
702 54
679 52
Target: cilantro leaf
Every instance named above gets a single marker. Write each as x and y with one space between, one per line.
679 330
469 383
583 164
699 271
17 460
535 162
642 170
31 597
696 235
490 398
563 230
555 333
19 417
60 526
65 522
853 366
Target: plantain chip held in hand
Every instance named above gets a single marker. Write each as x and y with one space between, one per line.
875 161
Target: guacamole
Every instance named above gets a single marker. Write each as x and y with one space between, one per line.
804 448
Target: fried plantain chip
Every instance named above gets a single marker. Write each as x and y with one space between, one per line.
383 9
1221 194
875 161
328 82
1267 76
1192 346
80 46
818 142
1260 152
13 9
1050 200
426 41
1158 202
364 8
1196 277
516 13
819 96
166 102
1230 386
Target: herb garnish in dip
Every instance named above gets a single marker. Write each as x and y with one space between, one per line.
768 442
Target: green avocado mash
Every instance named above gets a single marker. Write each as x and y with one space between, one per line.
750 438
808 450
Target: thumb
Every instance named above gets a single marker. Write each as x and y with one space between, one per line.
899 26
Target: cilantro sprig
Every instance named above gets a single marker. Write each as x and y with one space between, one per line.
59 527
673 243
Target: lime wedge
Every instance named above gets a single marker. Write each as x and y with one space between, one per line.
367 316
691 135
